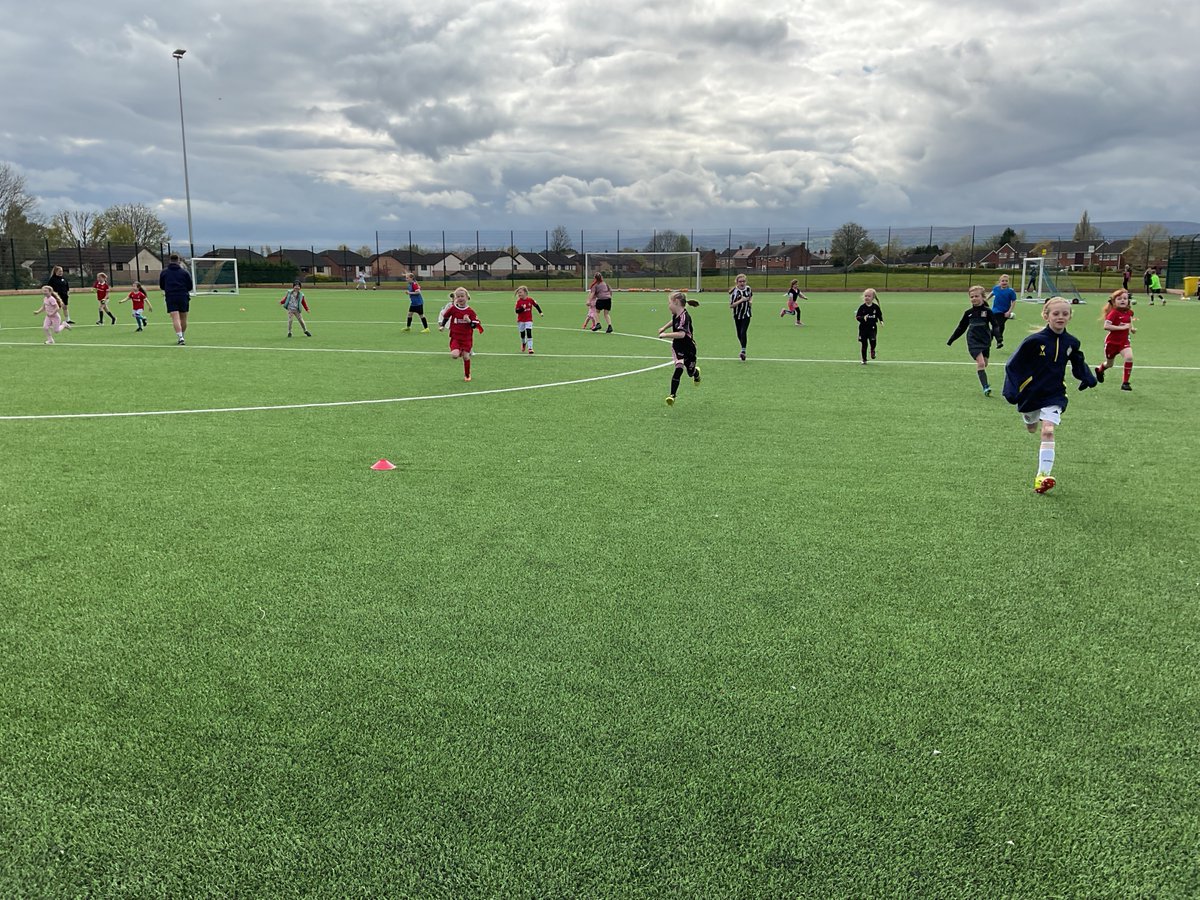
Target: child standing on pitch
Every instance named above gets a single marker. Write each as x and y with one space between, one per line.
53 309
416 305
1035 381
1003 298
101 288
870 317
293 301
683 344
976 323
525 307
740 298
463 322
794 296
1118 323
137 297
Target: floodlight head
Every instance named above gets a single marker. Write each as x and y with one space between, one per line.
178 54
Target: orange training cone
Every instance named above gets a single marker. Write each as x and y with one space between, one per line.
382 466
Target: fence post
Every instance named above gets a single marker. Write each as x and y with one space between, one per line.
971 260
476 259
12 247
728 257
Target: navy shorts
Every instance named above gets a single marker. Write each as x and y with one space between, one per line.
976 349
178 304
418 308
604 304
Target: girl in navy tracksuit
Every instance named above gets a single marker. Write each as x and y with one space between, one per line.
1035 381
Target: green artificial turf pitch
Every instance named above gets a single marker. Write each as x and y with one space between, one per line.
807 633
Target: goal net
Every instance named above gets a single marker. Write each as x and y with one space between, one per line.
634 271
1041 281
214 275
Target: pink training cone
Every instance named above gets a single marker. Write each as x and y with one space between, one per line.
382 466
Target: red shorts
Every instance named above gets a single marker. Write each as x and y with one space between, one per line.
1114 348
463 344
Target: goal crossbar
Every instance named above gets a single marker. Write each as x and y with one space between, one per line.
214 275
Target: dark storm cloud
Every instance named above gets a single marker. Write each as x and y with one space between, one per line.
321 120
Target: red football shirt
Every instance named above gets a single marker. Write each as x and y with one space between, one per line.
525 310
462 322
101 289
138 299
1118 317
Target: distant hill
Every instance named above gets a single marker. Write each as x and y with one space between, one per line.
1111 230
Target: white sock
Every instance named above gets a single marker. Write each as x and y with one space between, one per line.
1046 457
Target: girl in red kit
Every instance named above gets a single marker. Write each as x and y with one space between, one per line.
524 308
140 304
1118 325
101 287
463 322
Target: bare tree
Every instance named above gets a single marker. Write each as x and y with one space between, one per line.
1149 247
132 223
560 239
78 226
15 200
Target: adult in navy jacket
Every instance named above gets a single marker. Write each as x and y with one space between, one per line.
176 284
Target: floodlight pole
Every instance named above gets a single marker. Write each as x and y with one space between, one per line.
187 189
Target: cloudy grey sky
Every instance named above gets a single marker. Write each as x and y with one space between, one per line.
321 122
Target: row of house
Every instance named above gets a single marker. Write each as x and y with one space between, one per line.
130 262
1064 254
1105 255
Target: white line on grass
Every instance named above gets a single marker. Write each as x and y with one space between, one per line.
499 354
333 403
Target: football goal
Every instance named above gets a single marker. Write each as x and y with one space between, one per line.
1041 281
629 270
214 275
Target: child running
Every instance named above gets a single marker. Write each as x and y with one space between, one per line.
740 298
683 344
137 297
293 301
463 322
1118 324
870 317
53 309
1035 381
976 323
1003 298
1156 288
101 288
416 305
794 296
525 307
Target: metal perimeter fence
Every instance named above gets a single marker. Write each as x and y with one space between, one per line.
912 258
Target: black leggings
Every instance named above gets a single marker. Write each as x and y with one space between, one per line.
867 336
998 324
742 326
677 375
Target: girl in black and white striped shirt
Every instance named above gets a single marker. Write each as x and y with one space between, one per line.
739 302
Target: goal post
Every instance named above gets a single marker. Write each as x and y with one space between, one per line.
631 270
1033 278
214 275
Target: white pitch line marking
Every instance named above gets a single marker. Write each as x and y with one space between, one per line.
334 403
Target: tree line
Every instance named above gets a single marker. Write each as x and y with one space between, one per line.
121 223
